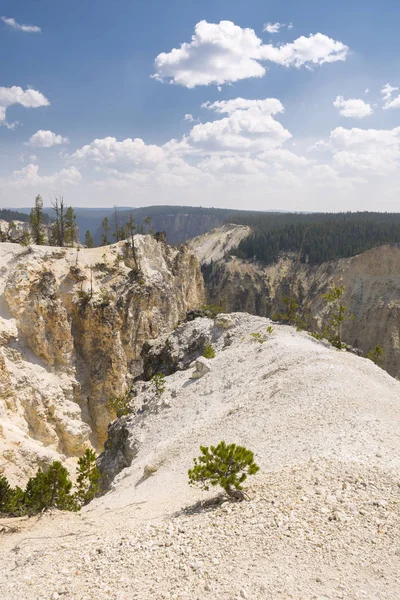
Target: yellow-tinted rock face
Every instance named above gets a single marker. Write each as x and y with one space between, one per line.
72 326
371 279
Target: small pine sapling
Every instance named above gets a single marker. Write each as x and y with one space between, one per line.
339 314
88 478
158 380
121 406
209 351
376 354
226 465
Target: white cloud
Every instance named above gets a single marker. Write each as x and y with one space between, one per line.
268 106
387 92
46 139
14 25
272 27
29 177
128 152
354 108
15 95
224 52
249 127
368 150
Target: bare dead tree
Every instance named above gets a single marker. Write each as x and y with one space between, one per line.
59 227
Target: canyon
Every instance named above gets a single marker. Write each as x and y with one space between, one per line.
72 325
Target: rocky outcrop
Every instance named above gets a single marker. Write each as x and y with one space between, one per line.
215 244
72 326
280 392
372 293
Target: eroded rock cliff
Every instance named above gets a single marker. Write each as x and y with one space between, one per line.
72 326
372 292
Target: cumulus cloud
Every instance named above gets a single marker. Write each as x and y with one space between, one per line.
127 153
368 150
249 127
387 93
224 52
29 177
15 95
272 27
14 25
354 107
46 139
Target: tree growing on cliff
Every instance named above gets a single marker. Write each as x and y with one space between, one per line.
88 478
58 232
377 354
36 222
48 489
226 465
71 229
121 406
88 239
5 495
130 228
106 230
339 314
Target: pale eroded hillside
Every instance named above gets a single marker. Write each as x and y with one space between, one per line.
72 326
323 516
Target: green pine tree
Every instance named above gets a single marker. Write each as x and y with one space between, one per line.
224 465
88 477
36 221
5 495
377 354
88 239
49 489
339 313
106 230
71 229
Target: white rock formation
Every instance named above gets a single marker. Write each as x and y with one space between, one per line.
213 245
72 326
323 519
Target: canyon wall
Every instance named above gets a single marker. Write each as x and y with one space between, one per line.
72 326
372 292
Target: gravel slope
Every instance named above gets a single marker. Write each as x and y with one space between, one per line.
324 516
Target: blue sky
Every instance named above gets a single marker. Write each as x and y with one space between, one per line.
315 140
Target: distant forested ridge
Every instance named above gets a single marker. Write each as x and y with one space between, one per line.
12 215
316 237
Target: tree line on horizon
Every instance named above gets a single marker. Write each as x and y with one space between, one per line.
316 238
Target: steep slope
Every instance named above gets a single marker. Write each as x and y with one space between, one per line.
323 520
72 326
371 279
213 245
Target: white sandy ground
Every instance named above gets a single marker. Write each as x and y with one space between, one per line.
323 521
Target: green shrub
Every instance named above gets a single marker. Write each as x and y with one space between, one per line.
212 310
376 354
224 465
158 380
258 337
209 351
